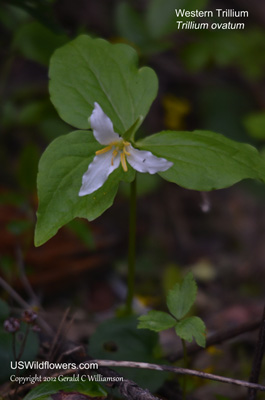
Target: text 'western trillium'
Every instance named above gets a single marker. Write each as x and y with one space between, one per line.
117 151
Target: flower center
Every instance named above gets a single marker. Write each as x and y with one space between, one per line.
118 148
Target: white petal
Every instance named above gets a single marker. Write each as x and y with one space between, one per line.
102 126
145 161
98 172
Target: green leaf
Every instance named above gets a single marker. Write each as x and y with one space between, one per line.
90 70
129 134
61 168
205 160
156 321
46 389
182 296
192 327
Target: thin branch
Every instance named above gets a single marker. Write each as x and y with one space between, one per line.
40 321
259 352
13 294
23 276
217 338
77 349
180 371
55 342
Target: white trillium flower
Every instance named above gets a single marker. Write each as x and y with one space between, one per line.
117 151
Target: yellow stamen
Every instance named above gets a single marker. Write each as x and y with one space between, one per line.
125 145
123 162
104 150
119 146
114 154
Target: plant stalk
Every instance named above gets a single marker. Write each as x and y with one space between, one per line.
131 250
186 364
258 356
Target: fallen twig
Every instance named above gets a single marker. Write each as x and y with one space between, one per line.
181 371
40 321
217 338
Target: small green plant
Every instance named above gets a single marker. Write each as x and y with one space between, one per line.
179 302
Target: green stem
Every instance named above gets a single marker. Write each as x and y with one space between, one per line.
131 250
14 345
22 348
186 365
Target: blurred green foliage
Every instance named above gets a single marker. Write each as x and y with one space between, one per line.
244 50
150 30
36 42
255 125
222 107
42 10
